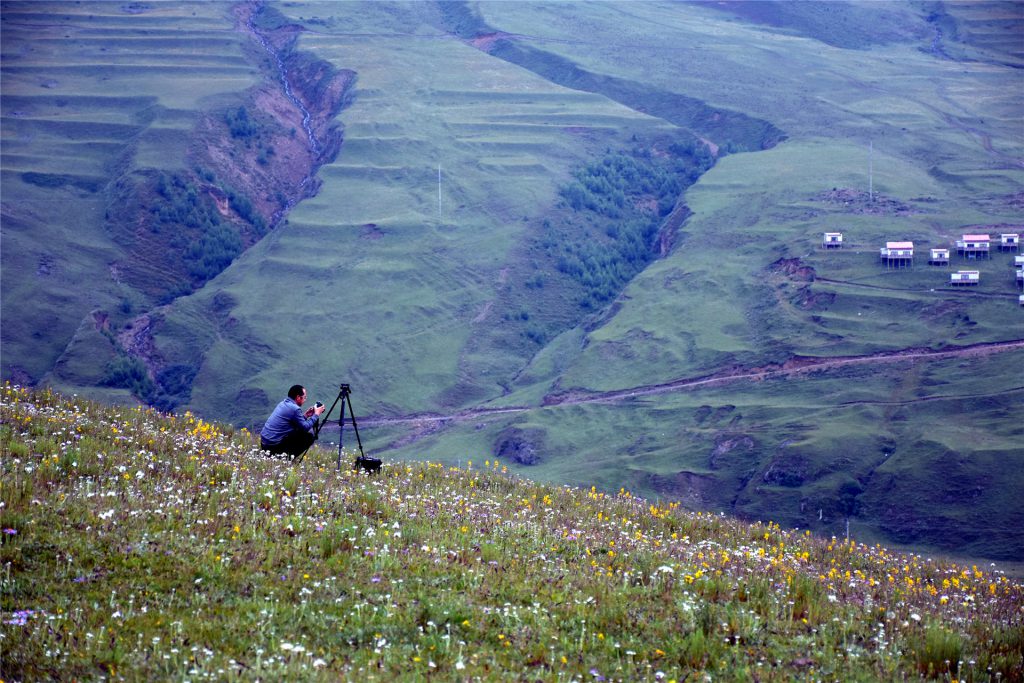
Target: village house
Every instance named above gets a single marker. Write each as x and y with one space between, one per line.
832 240
1009 241
939 257
897 254
974 246
965 277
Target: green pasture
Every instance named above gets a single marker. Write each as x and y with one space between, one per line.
717 298
92 92
909 441
395 290
433 297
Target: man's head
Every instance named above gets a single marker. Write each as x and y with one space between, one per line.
297 393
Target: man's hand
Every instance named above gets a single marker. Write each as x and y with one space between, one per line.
309 412
319 409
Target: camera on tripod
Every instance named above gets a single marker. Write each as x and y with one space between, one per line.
367 464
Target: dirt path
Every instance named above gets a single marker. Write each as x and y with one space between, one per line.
427 423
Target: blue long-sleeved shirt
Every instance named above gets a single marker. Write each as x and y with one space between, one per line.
286 418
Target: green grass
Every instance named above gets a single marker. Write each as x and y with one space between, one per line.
422 309
921 439
412 284
142 546
89 93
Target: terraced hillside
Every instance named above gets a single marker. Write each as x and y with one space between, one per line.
91 94
539 227
145 147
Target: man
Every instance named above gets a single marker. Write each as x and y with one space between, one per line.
288 429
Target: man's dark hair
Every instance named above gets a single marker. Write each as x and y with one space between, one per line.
295 391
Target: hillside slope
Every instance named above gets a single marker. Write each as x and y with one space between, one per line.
499 221
146 546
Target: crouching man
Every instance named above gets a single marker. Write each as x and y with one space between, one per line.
289 429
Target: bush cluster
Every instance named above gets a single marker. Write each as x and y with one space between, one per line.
618 204
128 372
173 385
239 123
206 243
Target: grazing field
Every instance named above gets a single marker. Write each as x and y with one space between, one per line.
91 93
535 230
139 545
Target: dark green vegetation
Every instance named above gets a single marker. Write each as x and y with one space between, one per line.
527 228
147 546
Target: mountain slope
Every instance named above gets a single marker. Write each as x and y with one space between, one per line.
526 204
144 546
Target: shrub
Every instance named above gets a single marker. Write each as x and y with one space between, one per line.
128 372
239 123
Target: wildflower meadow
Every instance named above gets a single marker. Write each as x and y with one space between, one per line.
136 545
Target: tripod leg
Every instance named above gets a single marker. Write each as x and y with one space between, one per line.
341 428
352 413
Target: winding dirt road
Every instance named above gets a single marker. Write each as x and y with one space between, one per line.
425 423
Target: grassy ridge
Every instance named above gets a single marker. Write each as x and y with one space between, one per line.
388 290
92 92
814 451
142 545
430 301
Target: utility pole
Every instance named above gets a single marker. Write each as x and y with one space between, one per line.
439 194
871 172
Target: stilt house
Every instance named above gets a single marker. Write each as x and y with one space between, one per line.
897 254
832 240
939 257
965 277
974 246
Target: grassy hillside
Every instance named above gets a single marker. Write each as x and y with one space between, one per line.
138 545
819 450
497 221
388 289
92 93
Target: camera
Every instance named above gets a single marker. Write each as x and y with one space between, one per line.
319 405
368 464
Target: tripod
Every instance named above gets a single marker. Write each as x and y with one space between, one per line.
344 398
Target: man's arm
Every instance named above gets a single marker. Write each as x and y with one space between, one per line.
300 421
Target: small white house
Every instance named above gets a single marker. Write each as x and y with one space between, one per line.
965 277
1021 299
938 257
1009 241
1018 261
832 240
